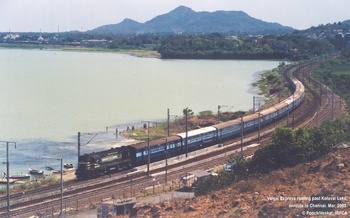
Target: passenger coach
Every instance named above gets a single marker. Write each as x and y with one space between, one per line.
198 138
139 151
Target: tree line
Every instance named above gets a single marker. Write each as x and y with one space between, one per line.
216 46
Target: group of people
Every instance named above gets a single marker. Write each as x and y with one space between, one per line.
128 129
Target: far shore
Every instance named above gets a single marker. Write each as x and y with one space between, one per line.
134 52
146 53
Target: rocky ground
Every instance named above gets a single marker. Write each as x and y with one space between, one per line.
308 189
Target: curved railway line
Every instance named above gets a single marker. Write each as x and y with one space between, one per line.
324 104
321 104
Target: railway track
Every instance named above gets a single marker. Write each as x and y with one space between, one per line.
77 194
325 106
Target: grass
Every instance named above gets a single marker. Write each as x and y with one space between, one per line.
342 69
272 86
270 82
261 85
47 181
2 191
21 46
142 134
135 52
159 130
235 212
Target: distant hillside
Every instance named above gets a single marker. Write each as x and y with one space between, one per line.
338 33
185 20
127 26
347 22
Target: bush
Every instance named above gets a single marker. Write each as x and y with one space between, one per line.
23 186
37 184
213 183
204 114
2 191
48 180
247 186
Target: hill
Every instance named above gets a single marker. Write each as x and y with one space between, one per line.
323 31
185 20
347 22
281 193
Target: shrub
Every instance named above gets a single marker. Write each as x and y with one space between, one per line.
37 184
23 186
2 191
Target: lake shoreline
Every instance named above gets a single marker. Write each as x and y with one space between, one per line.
134 52
143 53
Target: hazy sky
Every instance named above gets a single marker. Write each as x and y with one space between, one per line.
83 15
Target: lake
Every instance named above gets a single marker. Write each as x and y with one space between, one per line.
47 96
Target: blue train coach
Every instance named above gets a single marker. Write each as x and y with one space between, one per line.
199 137
139 151
229 129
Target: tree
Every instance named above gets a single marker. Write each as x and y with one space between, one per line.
188 111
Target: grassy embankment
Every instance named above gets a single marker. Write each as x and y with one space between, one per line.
335 74
147 53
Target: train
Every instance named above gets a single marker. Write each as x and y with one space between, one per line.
126 157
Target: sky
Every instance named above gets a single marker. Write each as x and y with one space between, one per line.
83 15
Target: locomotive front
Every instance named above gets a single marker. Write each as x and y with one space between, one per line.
103 162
